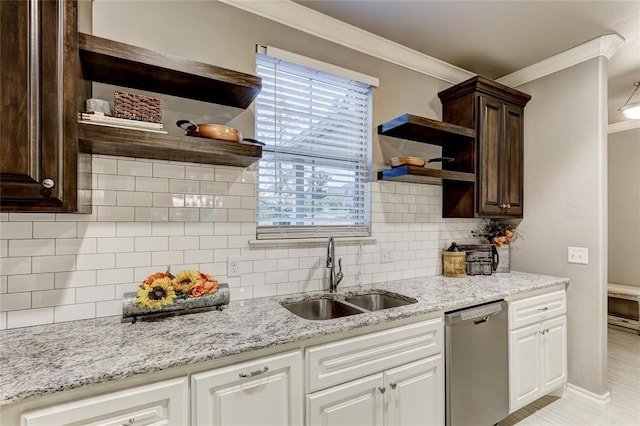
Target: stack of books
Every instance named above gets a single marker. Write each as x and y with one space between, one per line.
122 123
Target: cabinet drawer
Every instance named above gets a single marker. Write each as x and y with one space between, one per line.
163 403
348 359
535 309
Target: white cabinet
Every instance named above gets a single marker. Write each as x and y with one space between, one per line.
163 403
394 377
265 391
537 350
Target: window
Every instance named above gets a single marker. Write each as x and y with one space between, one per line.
313 178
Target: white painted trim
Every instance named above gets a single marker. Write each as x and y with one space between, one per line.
623 126
586 397
309 21
606 46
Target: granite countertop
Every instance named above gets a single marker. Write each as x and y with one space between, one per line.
42 360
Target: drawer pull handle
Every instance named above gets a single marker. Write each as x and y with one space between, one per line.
393 385
131 421
545 331
546 308
382 390
254 373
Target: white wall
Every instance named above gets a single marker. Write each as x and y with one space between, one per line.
565 193
624 206
149 214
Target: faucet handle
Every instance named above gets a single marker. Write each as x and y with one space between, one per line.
339 275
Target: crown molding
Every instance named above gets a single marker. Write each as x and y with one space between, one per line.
317 24
606 46
623 126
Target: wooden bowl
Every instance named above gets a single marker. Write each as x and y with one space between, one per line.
411 161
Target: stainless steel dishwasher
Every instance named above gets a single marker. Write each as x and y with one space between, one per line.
477 365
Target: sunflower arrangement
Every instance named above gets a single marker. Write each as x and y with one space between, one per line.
498 233
162 288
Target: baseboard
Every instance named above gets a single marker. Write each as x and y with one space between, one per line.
586 397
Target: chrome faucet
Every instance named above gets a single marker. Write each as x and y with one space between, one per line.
334 278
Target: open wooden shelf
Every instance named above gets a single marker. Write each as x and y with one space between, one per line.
120 64
139 143
421 129
414 174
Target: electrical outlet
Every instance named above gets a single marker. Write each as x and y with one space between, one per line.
387 255
578 255
233 267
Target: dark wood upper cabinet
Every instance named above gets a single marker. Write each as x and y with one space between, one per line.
496 112
38 129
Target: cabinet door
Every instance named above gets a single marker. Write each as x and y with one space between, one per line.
490 136
525 365
415 393
356 403
554 349
163 403
267 391
512 157
38 122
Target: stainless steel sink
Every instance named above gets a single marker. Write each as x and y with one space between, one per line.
321 309
379 300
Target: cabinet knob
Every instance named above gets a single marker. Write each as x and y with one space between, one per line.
48 183
393 385
382 390
129 422
508 206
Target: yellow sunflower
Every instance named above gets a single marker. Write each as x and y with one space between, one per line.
185 280
156 294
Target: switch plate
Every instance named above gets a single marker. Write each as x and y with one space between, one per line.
386 255
233 267
578 255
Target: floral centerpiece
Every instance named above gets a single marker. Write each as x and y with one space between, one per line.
498 233
162 293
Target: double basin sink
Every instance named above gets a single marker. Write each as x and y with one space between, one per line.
328 307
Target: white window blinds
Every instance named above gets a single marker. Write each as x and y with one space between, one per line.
314 172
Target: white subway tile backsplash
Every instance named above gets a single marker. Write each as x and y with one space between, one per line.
134 199
75 246
184 243
130 260
15 301
74 312
151 184
152 214
95 294
13 230
75 279
114 276
30 282
167 228
29 317
162 258
133 229
43 299
116 183
43 247
177 214
115 245
108 308
134 168
175 171
199 173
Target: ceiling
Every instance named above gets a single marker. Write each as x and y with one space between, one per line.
496 38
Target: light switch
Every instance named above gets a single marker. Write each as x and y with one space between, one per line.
578 255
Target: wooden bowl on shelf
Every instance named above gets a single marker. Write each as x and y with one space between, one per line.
411 161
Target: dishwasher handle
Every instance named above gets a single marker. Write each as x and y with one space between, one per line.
478 314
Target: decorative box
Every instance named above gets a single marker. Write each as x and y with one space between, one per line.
137 107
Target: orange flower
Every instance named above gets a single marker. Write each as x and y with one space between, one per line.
151 278
205 284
